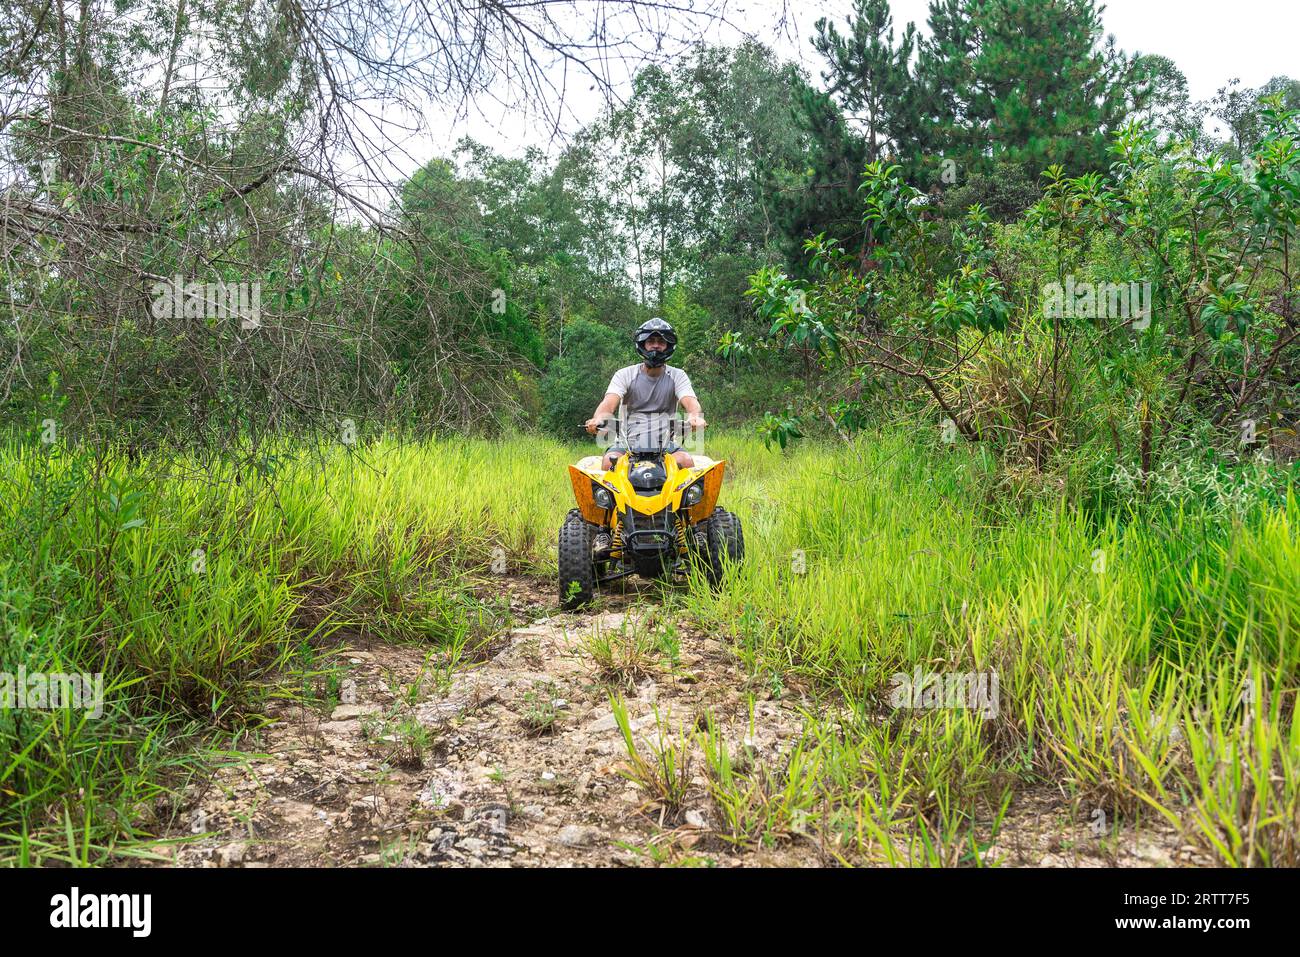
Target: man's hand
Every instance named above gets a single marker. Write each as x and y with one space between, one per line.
696 420
592 425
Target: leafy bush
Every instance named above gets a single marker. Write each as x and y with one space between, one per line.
575 380
1122 320
1005 193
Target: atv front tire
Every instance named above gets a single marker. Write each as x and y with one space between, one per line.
723 543
577 570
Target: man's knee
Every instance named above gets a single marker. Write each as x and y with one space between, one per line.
684 460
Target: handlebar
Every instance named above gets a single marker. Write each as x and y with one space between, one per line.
652 433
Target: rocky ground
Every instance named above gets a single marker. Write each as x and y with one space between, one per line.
515 760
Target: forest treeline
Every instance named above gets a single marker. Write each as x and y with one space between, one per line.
879 236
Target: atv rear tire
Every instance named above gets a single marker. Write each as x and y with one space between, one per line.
577 570
724 543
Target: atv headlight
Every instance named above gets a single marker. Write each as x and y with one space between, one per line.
602 496
693 494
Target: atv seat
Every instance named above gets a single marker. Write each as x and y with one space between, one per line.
592 462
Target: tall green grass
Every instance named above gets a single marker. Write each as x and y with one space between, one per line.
1147 659
1123 647
200 588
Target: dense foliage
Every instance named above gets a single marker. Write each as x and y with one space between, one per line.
445 305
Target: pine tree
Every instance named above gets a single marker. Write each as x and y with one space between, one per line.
944 81
1028 82
822 197
869 75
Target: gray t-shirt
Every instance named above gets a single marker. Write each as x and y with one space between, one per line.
648 402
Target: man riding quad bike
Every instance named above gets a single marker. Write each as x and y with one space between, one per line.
648 507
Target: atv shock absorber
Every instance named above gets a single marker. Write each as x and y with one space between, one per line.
681 534
616 539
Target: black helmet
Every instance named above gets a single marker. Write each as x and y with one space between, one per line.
649 328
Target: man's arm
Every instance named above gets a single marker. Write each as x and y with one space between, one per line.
604 411
613 395
694 413
686 398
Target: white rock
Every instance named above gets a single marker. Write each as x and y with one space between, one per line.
349 712
232 855
609 723
340 728
472 845
576 836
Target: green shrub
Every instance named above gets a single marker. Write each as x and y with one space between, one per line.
575 380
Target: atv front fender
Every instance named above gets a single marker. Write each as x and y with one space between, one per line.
582 480
711 476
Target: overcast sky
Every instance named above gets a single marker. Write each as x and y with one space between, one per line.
1210 41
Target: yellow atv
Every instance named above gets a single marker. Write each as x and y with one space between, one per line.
646 517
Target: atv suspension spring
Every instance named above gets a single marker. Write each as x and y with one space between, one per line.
681 534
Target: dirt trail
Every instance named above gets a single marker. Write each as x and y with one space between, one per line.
417 771
493 789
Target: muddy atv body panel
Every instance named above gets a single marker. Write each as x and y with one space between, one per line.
646 517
